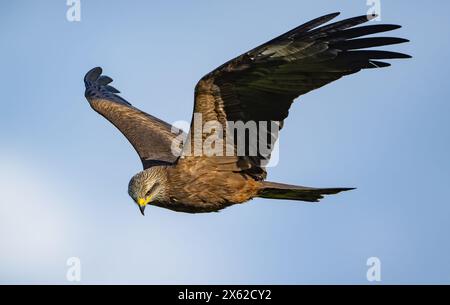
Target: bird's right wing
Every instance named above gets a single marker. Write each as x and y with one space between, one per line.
155 141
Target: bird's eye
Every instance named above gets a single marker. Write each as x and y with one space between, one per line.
150 191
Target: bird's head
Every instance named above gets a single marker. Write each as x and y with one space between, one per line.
147 186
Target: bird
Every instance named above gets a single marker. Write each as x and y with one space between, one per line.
258 86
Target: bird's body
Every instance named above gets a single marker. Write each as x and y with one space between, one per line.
256 90
197 190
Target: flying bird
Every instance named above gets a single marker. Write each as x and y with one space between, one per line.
257 86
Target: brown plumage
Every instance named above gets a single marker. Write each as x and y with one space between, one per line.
258 86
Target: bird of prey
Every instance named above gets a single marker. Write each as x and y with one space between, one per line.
257 86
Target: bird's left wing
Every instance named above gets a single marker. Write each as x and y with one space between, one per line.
155 141
261 84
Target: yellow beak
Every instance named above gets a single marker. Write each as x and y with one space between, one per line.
142 202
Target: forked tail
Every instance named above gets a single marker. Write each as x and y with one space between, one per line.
293 192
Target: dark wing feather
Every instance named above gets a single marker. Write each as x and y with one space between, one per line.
151 137
260 85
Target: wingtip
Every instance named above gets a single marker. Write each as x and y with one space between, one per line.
392 26
402 40
346 189
97 86
402 55
93 74
330 16
99 69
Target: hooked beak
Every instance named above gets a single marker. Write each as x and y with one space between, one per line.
142 203
142 209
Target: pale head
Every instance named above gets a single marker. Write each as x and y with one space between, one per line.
148 186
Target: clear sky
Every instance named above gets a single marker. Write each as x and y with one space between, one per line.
64 170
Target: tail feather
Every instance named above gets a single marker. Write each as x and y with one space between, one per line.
293 192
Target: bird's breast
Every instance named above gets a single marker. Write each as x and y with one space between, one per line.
210 191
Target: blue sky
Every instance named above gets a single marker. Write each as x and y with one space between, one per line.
64 170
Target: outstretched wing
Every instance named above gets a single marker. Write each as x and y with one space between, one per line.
152 138
260 85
